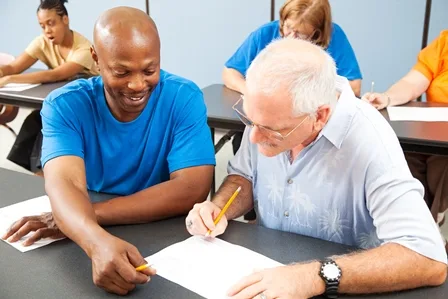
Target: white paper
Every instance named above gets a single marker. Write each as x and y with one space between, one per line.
17 86
418 113
31 207
208 267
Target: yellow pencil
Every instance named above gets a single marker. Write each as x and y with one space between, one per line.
371 87
223 211
142 267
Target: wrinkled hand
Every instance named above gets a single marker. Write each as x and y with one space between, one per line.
113 265
201 219
378 100
4 80
285 282
43 226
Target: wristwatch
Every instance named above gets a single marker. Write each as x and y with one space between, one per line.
331 275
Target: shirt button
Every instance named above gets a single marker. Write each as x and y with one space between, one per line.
290 181
286 214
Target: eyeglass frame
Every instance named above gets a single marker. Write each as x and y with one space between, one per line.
272 133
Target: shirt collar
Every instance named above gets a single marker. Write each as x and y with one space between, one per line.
341 118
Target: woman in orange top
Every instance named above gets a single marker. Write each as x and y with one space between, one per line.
429 75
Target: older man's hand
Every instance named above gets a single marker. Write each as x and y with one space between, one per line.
201 219
43 226
286 282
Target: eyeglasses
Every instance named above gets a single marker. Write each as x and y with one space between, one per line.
296 34
268 132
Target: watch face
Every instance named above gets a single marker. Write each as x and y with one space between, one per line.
331 271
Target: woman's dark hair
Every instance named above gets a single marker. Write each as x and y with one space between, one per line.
57 5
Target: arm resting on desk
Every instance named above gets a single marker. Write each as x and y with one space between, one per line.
408 88
234 80
63 72
172 198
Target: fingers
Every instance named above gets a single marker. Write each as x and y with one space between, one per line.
251 282
41 233
207 212
114 283
128 271
200 219
220 227
22 227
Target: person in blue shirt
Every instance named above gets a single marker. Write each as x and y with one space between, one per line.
136 131
304 19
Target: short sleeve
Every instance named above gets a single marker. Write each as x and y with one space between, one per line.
241 163
60 130
82 57
400 215
429 58
35 48
245 54
191 142
344 56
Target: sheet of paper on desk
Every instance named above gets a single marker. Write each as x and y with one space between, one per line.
10 214
17 87
418 113
208 267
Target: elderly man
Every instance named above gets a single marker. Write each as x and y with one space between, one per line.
318 162
136 131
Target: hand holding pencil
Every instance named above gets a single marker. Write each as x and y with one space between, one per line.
207 219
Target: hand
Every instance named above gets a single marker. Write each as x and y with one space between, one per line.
4 80
201 219
43 226
378 100
113 265
285 282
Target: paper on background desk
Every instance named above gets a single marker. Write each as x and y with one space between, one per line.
208 267
17 87
418 113
31 207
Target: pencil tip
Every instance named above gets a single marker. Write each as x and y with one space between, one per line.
239 189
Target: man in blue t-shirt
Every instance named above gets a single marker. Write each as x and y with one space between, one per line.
136 131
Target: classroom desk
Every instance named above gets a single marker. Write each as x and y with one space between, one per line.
62 270
31 98
414 136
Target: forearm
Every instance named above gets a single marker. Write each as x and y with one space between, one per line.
356 87
6 70
168 199
234 80
387 268
73 212
36 77
402 92
242 203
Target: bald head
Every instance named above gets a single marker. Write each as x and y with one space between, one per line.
121 26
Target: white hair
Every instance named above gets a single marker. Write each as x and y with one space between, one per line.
305 70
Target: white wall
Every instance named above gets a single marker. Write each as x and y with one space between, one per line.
199 36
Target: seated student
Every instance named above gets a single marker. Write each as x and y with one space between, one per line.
317 161
66 53
429 75
304 19
135 131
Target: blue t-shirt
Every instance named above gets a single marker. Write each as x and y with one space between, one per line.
120 158
339 48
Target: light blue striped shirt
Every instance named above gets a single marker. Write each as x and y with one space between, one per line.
351 185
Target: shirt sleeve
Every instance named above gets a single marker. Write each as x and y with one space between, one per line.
192 144
245 54
429 58
35 48
82 57
241 163
400 215
343 55
60 130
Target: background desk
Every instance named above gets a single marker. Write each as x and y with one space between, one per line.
31 98
62 270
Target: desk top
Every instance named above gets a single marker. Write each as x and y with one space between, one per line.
32 98
62 270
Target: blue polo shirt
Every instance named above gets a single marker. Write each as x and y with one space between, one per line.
120 158
339 48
